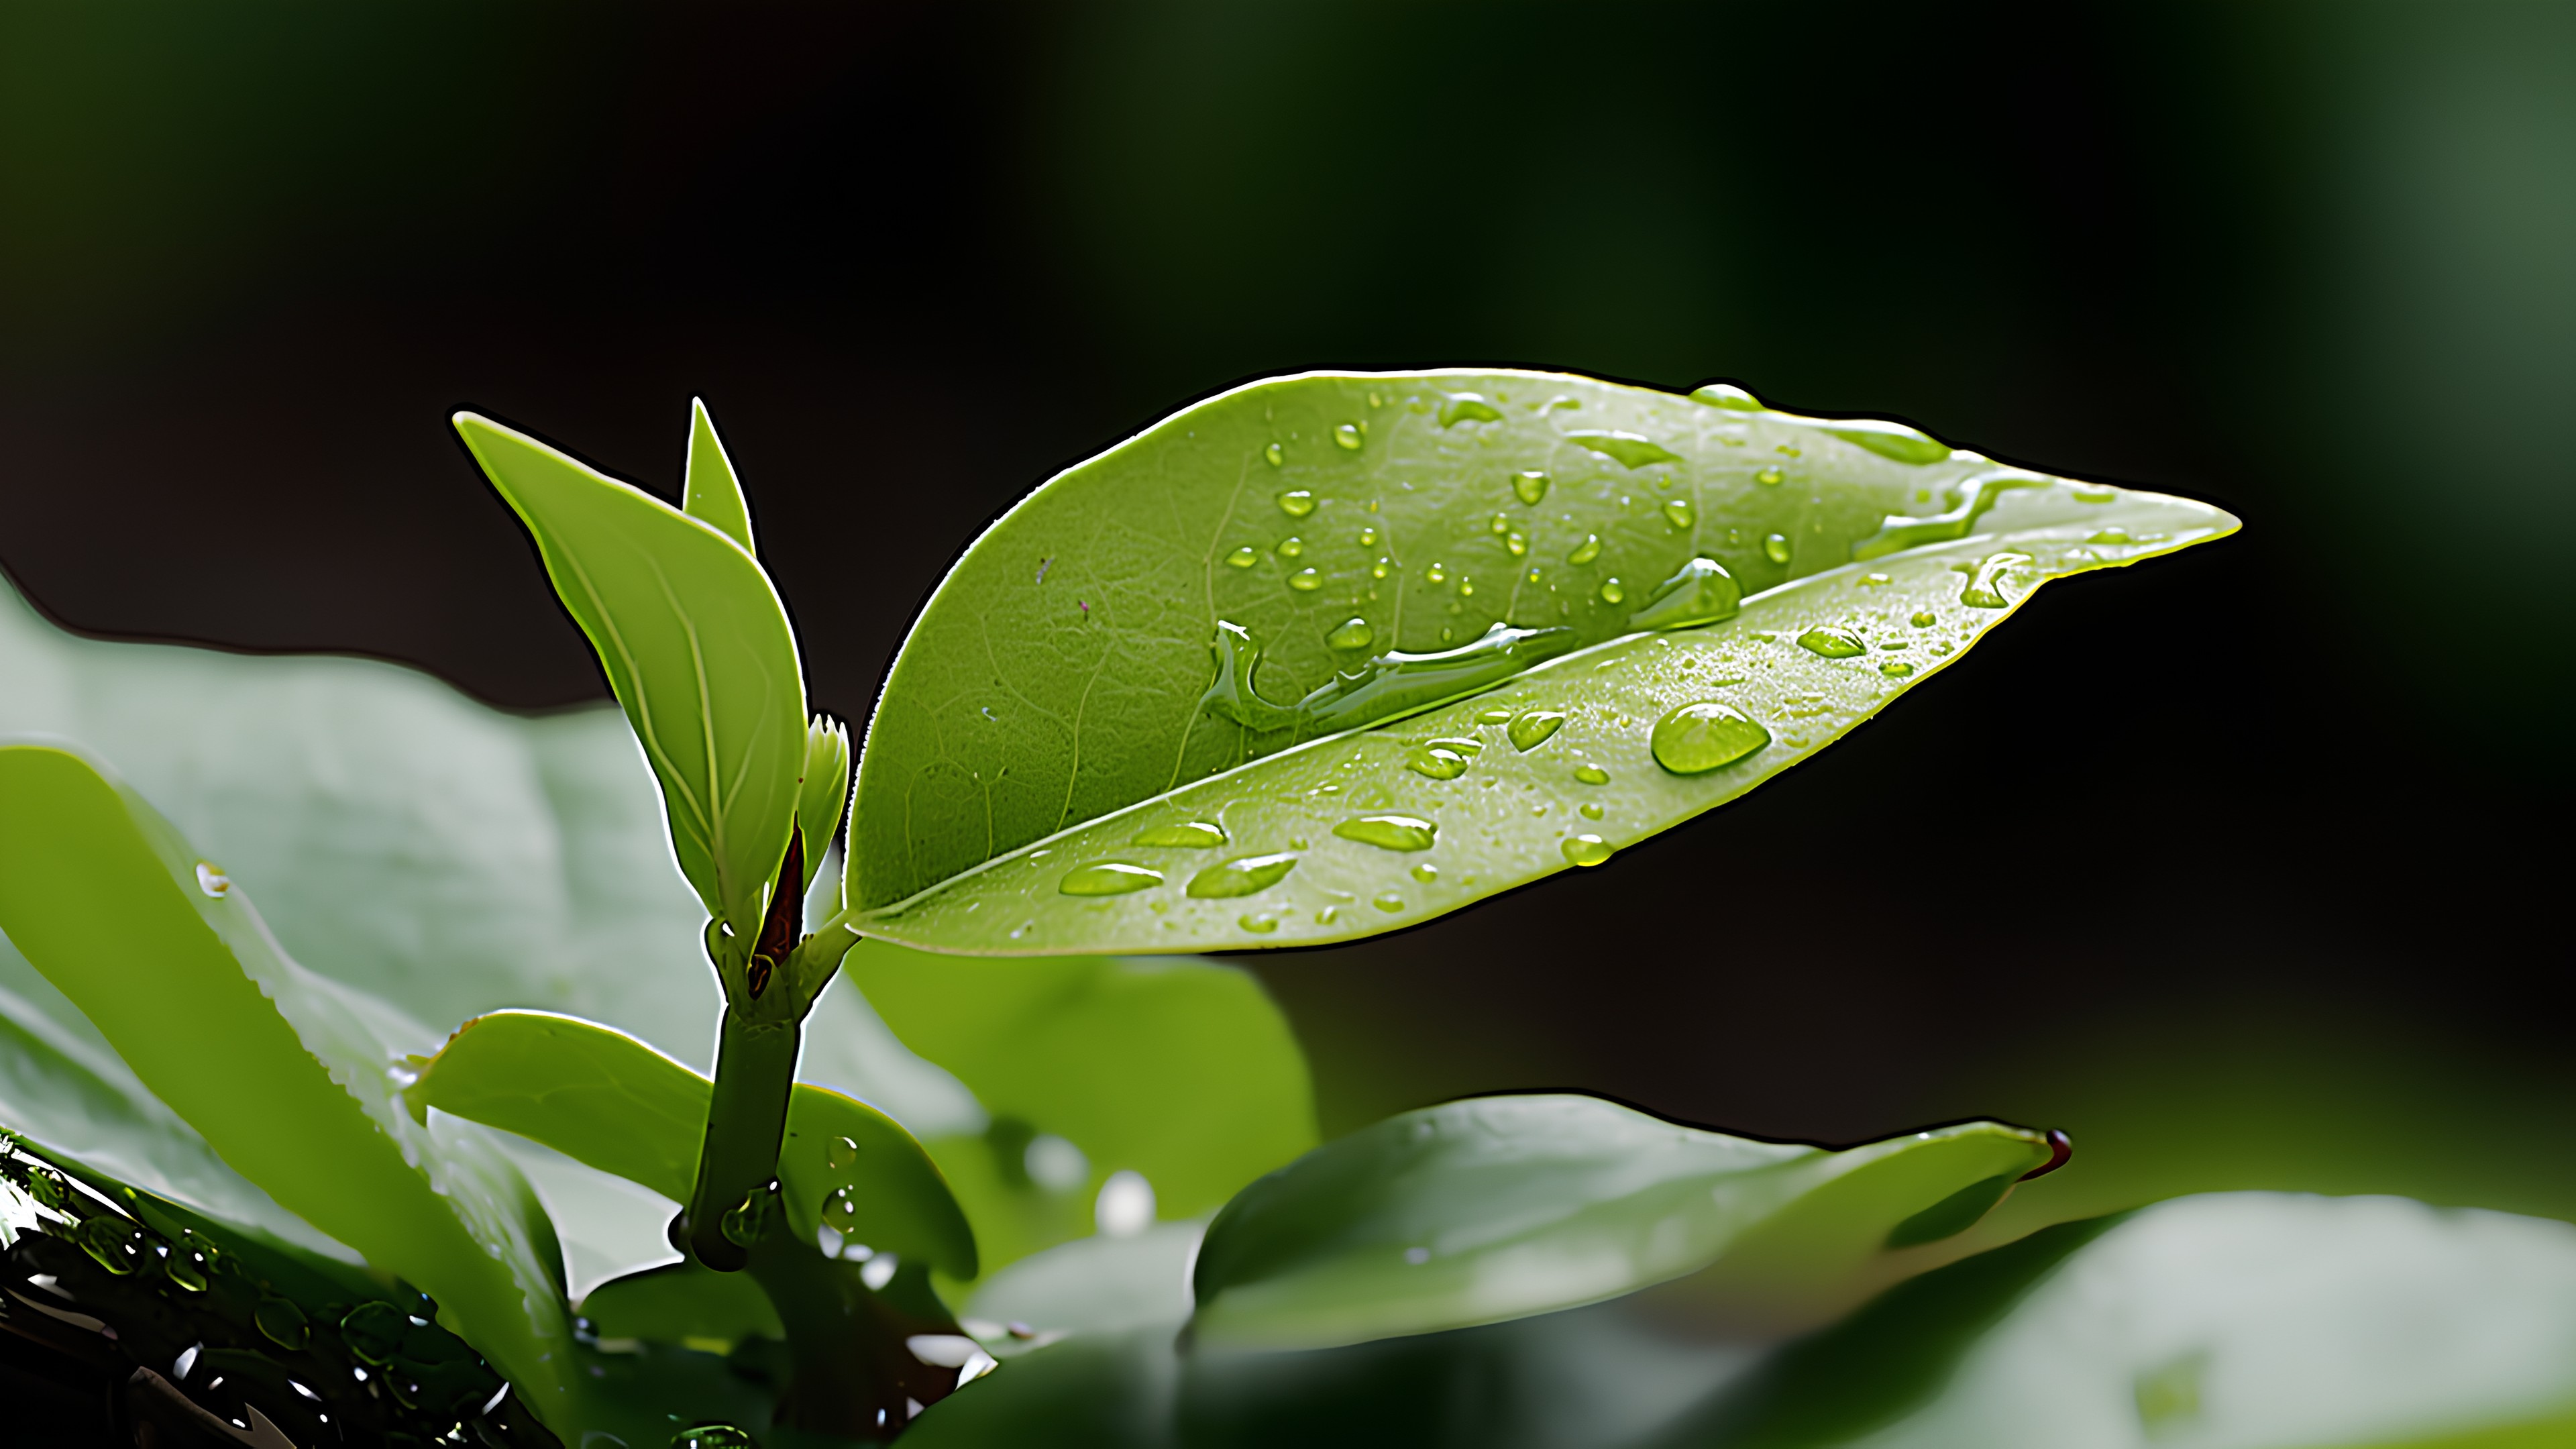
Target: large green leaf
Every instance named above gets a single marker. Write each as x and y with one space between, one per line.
2256 1319
1182 1071
696 646
1105 735
289 1076
606 1099
1499 1207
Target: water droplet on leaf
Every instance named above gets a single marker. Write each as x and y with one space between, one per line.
1531 485
1727 395
1776 548
1697 738
1390 832
1592 775
1426 872
1586 849
1461 407
1387 901
1630 450
212 881
1586 551
282 1323
1678 512
1275 456
1701 592
1612 591
1261 925
1297 502
1435 574
1291 546
840 1153
1242 876
1769 477
1243 558
1925 618
1108 878
1188 835
1834 641
1438 763
1896 669
1305 581
1347 436
1516 542
1531 727
1985 588
1353 634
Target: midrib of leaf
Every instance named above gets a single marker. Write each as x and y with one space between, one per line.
647 731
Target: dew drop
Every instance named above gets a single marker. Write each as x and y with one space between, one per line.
1108 878
1516 542
1435 574
1324 915
1697 738
1462 407
1188 835
212 881
1275 456
1242 876
1305 581
1727 395
1353 634
1297 502
2095 493
2109 535
1985 586
186 1268
1531 727
1585 849
1291 546
113 1242
1380 570
1493 716
1368 536
1243 558
1499 524
1389 832
840 1153
1530 485
1769 477
1592 775
1349 437
282 1323
1586 551
1387 901
1591 809
1612 591
1426 872
1629 450
1925 618
1776 548
1437 762
1896 669
1259 925
1834 641
1678 512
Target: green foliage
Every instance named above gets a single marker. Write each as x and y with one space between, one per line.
1500 1207
1086 746
603 1098
167 956
1183 1071
696 646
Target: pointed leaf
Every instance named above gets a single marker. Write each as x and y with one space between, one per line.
1334 552
711 493
1184 1072
1500 1207
2236 1318
823 793
696 647
287 1075
606 1099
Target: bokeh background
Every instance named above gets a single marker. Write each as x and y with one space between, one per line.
2247 867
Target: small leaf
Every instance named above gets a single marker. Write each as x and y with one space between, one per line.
696 647
166 957
824 792
2237 1318
603 1098
711 493
1658 728
1183 1071
1500 1207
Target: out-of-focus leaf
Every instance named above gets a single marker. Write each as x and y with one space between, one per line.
2238 1318
1099 1284
696 646
1500 1207
1182 1071
603 1098
290 1077
1113 727
681 1302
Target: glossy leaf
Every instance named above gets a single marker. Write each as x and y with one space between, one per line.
681 1303
608 1100
1183 1071
1499 1207
696 647
166 956
1059 762
710 493
446 856
2239 1318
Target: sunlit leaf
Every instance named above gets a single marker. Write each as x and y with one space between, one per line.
1499 1207
1112 729
696 647
606 1099
290 1077
2240 1318
710 493
1182 1071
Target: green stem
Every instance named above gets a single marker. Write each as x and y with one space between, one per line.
849 1369
746 1122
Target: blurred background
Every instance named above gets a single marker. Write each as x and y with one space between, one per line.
2242 866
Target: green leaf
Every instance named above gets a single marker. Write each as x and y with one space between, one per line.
603 1098
711 493
2238 1318
1499 1207
683 1302
288 1076
1182 1071
1104 735
696 647
822 792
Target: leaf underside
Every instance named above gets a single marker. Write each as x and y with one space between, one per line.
1052 712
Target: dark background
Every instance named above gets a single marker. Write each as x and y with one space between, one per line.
2246 866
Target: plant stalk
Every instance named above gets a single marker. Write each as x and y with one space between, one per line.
849 1368
746 1123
